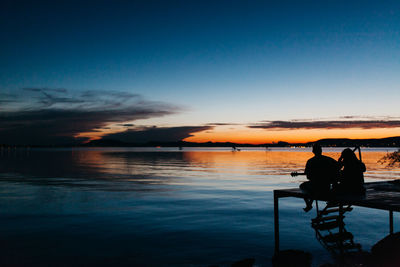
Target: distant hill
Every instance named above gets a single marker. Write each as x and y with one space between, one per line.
329 142
117 143
344 142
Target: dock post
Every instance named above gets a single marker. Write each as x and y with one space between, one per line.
276 221
391 221
341 225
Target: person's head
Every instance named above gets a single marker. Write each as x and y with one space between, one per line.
316 149
348 155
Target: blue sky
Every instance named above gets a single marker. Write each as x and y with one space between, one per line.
239 62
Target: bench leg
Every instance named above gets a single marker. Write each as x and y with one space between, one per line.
276 222
341 230
391 221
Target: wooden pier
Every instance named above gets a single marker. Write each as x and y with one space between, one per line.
378 195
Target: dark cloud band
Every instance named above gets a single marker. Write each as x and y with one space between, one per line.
42 116
332 124
162 134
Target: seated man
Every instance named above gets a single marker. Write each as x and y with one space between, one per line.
322 172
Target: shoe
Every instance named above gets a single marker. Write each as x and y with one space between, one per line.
307 208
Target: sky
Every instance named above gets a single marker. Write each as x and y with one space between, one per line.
239 71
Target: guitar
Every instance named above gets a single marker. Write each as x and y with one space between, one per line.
294 174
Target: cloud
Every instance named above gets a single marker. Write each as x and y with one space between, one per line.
220 124
163 134
327 124
6 98
58 90
53 116
2 101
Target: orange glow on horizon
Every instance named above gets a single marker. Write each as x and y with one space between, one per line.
245 135
261 136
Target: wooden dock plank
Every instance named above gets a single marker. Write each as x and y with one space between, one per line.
378 195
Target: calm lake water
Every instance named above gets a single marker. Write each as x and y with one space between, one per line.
163 207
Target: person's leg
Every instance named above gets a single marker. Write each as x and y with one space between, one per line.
306 186
308 204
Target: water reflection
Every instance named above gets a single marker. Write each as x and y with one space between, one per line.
114 163
163 170
191 207
330 231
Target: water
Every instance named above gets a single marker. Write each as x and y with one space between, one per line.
162 207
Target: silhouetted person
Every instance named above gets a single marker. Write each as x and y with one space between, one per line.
322 172
351 178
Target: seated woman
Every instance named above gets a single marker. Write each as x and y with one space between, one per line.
351 178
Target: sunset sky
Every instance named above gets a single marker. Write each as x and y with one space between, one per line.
240 71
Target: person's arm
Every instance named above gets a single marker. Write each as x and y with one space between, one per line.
362 166
335 171
340 162
307 170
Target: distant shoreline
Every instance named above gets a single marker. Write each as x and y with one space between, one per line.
341 142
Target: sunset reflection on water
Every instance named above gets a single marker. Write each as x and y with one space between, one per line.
245 164
112 203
